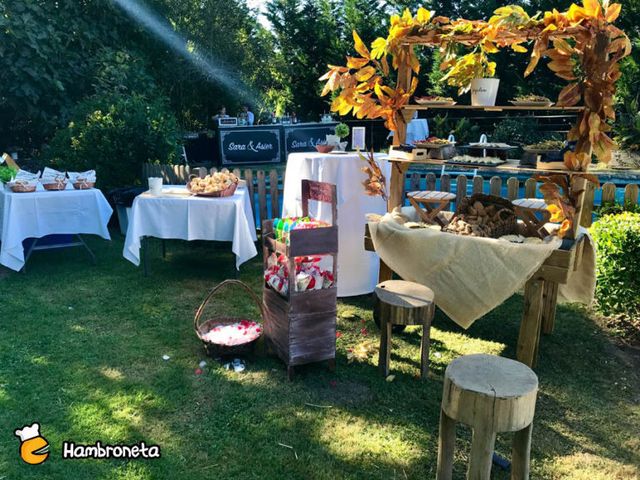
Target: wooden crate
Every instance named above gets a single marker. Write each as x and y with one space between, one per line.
301 327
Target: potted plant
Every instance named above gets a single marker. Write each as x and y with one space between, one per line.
475 72
341 131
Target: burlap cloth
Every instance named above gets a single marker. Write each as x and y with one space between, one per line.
471 276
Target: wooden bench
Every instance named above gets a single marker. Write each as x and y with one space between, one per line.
533 212
433 202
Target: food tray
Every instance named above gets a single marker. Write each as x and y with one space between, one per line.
227 192
531 104
475 164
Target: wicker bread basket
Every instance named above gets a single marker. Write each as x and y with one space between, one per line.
203 327
227 192
20 186
507 221
60 183
82 184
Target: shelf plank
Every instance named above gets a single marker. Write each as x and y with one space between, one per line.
497 108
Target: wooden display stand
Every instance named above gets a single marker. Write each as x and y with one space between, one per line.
301 327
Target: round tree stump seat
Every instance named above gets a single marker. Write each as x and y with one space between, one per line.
490 394
403 303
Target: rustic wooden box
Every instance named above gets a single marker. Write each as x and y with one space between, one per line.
301 327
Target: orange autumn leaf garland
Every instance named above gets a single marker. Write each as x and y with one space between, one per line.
582 45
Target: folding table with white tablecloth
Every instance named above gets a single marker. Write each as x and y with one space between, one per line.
42 213
177 214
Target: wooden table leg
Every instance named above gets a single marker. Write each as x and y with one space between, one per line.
550 295
385 272
529 336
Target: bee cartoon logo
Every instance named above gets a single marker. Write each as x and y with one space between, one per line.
34 448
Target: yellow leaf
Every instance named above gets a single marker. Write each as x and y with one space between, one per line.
556 213
562 46
489 47
613 12
576 14
355 62
360 46
365 73
378 47
406 16
516 47
564 228
592 8
424 15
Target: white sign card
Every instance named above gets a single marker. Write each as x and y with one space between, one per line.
358 135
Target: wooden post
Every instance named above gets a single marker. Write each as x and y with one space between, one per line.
396 182
530 326
549 298
578 183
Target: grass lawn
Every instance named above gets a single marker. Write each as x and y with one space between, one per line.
81 352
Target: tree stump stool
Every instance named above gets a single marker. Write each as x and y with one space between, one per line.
491 394
433 203
403 303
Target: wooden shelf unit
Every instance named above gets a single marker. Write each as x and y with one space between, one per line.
301 326
496 108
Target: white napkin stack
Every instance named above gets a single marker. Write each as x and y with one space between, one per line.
49 175
89 176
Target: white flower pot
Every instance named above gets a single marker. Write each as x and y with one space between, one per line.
333 140
484 91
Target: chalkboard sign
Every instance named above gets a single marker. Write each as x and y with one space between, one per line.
305 139
249 145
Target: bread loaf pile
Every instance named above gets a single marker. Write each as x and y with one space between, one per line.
482 219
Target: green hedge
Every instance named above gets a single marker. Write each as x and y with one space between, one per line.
115 134
617 240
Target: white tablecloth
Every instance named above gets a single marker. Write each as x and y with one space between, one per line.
357 268
34 215
182 216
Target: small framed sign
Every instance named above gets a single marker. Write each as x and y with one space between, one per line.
358 135
228 122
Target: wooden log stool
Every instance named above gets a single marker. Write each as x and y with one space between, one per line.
533 212
433 203
491 394
403 303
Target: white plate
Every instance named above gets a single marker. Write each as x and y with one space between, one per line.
531 104
436 103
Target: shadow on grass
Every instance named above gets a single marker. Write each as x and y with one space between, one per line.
95 372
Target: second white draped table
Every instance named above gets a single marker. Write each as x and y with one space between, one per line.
357 268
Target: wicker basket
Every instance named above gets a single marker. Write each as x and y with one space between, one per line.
217 350
227 192
502 206
22 187
82 184
60 183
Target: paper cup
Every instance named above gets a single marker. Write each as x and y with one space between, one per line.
155 185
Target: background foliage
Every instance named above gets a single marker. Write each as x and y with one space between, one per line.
617 239
57 54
